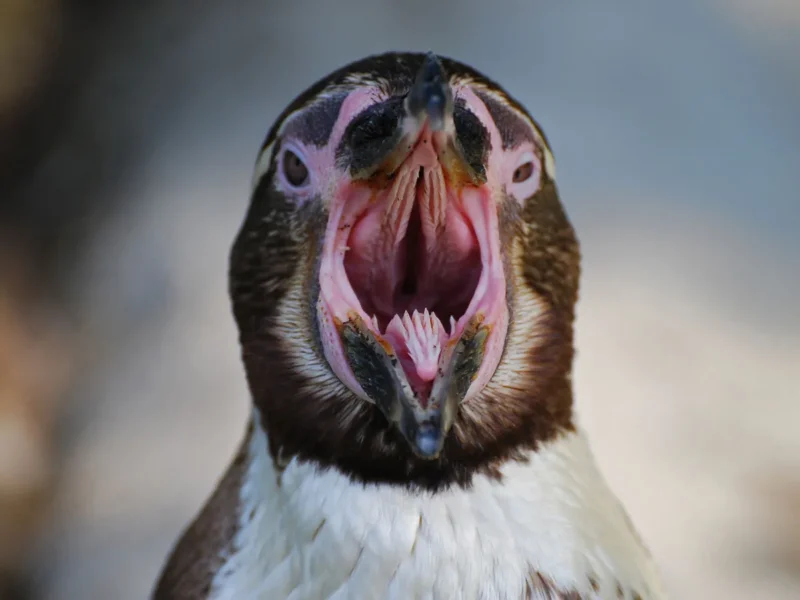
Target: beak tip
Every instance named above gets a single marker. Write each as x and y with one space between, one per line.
431 70
429 440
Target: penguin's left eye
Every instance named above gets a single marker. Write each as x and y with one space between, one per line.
294 169
523 172
525 176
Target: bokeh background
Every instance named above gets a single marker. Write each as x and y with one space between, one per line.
128 131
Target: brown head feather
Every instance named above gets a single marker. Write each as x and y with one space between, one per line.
273 285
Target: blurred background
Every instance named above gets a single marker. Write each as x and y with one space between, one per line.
128 131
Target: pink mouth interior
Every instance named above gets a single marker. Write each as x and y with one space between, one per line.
414 263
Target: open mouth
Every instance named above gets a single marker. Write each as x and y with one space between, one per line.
417 264
412 299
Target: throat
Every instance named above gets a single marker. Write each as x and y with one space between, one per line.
295 513
414 250
411 254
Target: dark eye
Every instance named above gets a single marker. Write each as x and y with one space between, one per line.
523 172
294 169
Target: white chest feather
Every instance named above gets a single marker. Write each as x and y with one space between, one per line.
318 535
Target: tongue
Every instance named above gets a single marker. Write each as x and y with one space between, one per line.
418 340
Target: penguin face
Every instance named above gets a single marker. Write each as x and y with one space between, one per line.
405 253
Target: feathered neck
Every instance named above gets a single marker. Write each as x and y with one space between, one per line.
549 524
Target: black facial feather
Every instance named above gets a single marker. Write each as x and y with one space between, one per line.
473 137
371 135
332 428
315 124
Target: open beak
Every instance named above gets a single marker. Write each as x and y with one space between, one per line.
427 119
411 277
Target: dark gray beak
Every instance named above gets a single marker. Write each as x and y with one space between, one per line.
424 426
431 95
378 142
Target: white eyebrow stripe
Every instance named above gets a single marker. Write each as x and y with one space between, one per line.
262 165
265 156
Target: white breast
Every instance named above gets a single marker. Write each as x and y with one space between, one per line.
319 535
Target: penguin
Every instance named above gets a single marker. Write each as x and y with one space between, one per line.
404 285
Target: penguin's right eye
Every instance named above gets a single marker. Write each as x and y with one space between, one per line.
294 169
